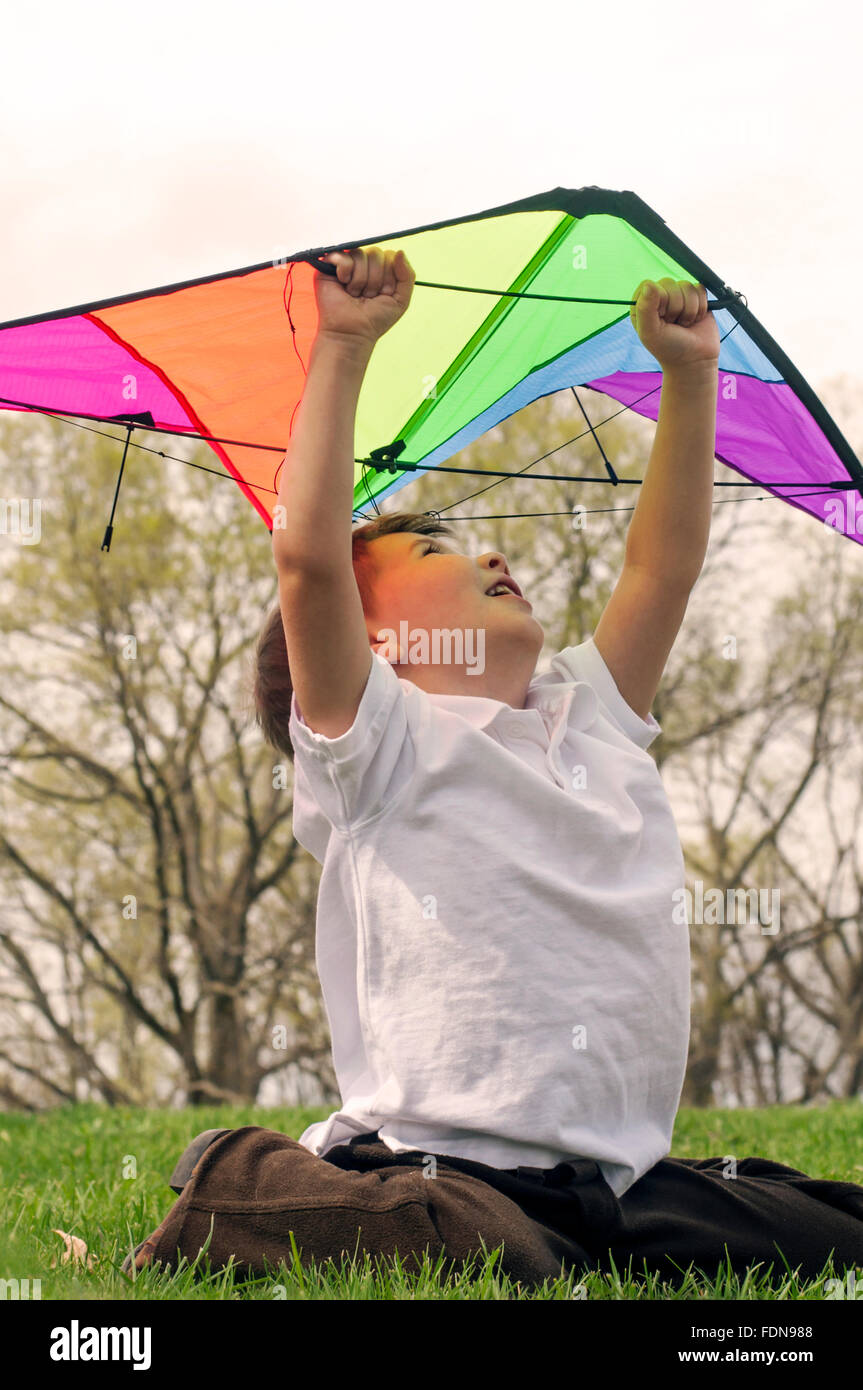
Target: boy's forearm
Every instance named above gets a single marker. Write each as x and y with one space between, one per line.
316 487
670 526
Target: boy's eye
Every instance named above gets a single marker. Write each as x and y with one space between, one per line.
432 547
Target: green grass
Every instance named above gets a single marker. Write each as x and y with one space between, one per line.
101 1174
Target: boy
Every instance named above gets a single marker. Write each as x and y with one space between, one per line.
507 989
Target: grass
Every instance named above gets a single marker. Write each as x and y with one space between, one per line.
101 1174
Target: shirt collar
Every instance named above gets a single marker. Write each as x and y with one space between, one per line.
546 693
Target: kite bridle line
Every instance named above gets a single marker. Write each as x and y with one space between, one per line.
66 418
820 489
384 458
109 529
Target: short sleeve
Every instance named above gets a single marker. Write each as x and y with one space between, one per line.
352 777
584 663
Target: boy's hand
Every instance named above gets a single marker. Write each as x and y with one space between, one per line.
673 322
371 293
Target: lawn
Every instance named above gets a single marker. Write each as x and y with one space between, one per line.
100 1174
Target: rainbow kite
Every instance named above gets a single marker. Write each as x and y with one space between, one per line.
509 304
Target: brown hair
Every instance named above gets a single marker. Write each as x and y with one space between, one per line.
272 674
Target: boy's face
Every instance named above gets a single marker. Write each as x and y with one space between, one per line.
428 583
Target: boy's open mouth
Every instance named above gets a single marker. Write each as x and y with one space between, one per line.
503 587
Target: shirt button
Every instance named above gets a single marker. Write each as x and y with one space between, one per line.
514 729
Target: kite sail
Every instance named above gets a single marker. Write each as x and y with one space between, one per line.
510 304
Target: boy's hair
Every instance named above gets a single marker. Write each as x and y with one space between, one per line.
272 676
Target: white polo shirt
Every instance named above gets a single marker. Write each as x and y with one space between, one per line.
500 967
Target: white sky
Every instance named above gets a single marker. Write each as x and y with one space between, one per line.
147 144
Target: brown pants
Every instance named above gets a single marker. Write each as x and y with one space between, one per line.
256 1187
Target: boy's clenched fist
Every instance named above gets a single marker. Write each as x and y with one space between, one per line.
370 292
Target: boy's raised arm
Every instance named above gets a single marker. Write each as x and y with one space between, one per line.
325 632
313 519
668 534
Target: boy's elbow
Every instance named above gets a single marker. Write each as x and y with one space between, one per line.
292 556
309 562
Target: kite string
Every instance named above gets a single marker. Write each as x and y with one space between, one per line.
590 511
289 286
327 268
504 516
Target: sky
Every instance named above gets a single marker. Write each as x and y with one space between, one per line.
146 145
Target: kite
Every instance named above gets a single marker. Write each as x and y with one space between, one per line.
510 304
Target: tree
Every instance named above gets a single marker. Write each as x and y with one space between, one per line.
159 927
159 918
